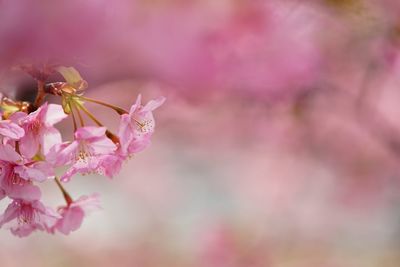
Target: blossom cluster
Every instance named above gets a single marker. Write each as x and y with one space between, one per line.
32 149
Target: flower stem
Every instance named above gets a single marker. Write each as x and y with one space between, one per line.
113 137
109 134
40 94
67 197
89 114
73 117
80 117
119 110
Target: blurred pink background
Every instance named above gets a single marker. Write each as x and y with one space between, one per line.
278 145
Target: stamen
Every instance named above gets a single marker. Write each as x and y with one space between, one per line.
145 126
35 126
14 179
82 156
26 215
17 180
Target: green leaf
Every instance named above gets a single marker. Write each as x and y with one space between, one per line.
71 76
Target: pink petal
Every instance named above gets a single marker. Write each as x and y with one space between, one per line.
17 117
103 146
62 154
36 115
50 137
88 204
54 114
125 133
136 105
29 144
66 177
37 205
139 145
73 215
10 213
23 230
88 165
109 165
71 220
8 153
89 132
11 130
26 192
39 171
153 104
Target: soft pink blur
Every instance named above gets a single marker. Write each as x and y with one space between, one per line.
278 145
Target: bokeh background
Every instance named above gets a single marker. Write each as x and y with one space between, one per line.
278 145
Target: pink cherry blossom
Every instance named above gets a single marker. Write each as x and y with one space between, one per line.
90 152
18 173
137 127
15 187
24 217
39 130
11 130
31 148
39 171
72 215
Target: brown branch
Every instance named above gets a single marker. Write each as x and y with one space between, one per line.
41 94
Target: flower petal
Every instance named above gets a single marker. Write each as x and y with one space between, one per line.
153 104
102 146
10 213
26 192
11 130
62 154
29 144
8 153
50 137
39 171
90 132
71 220
136 106
54 114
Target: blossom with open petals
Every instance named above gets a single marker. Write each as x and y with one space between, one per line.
24 217
73 214
90 152
137 127
11 130
39 129
18 174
